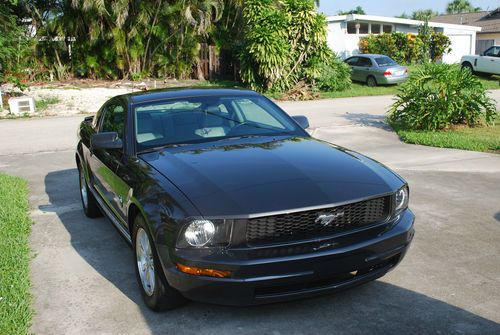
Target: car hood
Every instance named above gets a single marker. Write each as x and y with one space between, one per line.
256 176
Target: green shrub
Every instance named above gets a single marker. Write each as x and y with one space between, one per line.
335 75
440 95
407 48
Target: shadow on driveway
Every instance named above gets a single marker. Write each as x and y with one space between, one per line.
375 308
367 120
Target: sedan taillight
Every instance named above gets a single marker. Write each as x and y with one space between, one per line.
387 73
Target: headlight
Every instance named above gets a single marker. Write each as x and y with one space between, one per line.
199 233
401 199
202 233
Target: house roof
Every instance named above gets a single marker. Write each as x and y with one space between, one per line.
489 21
396 20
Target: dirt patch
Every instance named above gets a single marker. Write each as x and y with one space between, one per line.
84 96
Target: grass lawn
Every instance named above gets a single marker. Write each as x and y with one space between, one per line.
15 224
475 139
361 89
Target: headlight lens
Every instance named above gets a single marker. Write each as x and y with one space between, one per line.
401 199
203 233
199 233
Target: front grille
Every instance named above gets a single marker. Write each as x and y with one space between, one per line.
315 223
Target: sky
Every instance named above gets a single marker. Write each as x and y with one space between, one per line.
395 7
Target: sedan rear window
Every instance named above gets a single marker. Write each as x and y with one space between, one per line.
385 61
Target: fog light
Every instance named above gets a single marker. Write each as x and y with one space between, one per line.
192 270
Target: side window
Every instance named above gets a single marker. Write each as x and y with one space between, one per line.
114 119
492 52
352 61
364 62
254 113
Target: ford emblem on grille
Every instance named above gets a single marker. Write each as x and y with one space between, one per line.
326 219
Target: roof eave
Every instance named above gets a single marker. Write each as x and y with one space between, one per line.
396 20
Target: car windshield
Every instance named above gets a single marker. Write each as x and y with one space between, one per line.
208 118
385 61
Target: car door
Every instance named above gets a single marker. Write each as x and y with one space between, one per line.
489 62
106 163
352 63
364 68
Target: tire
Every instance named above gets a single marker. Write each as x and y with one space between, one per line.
156 292
468 65
371 81
89 203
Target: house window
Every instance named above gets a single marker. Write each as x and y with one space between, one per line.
363 28
357 27
375 28
351 27
387 28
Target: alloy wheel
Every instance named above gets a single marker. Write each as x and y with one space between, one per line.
145 261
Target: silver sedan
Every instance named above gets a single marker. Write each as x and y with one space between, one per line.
376 70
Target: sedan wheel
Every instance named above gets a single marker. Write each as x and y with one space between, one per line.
371 81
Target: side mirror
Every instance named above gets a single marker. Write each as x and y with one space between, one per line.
302 121
88 119
108 140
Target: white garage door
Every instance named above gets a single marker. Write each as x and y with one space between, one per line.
460 45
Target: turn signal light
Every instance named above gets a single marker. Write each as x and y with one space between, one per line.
203 272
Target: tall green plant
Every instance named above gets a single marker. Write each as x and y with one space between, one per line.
283 42
15 46
438 96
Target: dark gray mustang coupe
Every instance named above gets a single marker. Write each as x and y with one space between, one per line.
227 199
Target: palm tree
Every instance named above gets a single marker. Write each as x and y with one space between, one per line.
461 6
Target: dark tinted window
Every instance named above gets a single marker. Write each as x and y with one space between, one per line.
387 28
385 61
114 119
352 61
363 61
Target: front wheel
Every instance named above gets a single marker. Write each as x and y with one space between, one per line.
156 292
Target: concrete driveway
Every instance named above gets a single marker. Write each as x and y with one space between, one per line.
449 283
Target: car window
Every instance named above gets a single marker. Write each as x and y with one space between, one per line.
252 112
114 119
352 61
493 52
208 118
385 61
363 61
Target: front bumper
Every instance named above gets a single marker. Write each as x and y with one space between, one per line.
332 267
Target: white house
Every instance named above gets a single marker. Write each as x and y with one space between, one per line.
345 31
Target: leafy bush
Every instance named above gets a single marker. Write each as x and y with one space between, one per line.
335 75
407 48
284 42
440 95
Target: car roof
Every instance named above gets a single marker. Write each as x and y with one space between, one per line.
369 55
184 92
